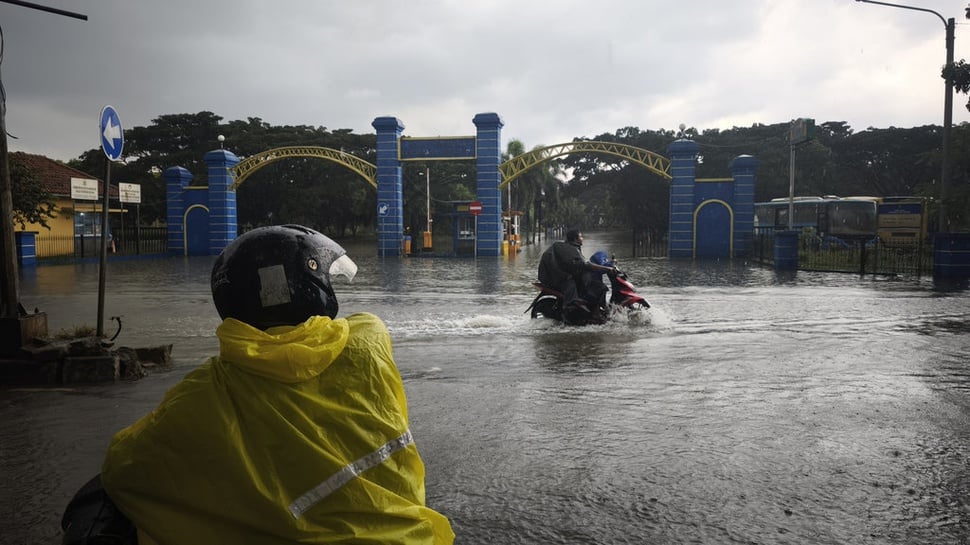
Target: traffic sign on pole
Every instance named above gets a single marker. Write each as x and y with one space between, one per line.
475 208
112 142
112 135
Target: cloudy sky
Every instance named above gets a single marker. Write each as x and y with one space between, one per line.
553 69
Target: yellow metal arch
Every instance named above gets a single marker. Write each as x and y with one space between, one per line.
515 167
251 164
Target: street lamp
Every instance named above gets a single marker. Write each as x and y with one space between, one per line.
948 24
427 233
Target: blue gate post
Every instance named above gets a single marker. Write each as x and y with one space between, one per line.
390 218
176 180
222 199
683 167
488 152
951 256
742 169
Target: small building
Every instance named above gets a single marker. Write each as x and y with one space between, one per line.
75 229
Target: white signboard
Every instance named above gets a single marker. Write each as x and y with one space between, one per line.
130 193
84 189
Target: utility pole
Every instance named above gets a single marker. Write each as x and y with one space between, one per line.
10 284
16 326
949 25
10 288
947 124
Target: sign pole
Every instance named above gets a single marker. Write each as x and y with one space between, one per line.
475 208
112 142
119 241
791 185
801 130
104 247
138 228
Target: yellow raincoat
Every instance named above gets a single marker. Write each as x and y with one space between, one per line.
291 435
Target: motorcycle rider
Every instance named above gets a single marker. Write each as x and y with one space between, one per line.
564 268
297 432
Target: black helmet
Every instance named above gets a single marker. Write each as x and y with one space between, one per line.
278 275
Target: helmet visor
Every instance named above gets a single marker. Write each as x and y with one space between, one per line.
343 266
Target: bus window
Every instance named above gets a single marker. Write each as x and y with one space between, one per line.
852 218
806 214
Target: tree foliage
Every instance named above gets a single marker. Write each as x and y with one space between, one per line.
31 202
584 190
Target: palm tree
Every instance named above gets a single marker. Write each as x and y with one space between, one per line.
537 191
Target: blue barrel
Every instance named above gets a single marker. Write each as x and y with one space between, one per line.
26 242
786 250
951 255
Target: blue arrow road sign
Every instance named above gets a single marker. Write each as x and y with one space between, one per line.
112 136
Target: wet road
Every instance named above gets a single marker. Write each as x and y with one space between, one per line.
749 408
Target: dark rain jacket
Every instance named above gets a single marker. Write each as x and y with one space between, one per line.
561 262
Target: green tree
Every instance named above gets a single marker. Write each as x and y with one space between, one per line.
617 193
609 190
31 202
571 213
535 193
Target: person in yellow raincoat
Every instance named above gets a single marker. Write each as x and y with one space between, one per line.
297 432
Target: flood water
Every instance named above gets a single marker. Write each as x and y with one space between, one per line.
750 407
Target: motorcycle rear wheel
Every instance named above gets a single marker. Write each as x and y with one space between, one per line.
547 306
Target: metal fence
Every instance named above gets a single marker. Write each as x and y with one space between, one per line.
127 241
873 256
646 245
143 240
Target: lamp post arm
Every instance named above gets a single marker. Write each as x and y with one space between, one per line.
914 8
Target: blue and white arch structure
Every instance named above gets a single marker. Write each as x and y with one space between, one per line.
201 219
484 148
709 218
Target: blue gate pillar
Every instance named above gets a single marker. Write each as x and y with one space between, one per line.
176 180
488 152
222 199
742 169
683 167
390 221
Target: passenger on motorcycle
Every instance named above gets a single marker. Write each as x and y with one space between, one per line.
297 432
600 258
564 268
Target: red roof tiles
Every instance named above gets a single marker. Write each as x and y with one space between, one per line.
55 176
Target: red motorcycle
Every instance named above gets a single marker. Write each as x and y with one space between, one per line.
623 296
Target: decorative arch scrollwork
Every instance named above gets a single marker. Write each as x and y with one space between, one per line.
517 166
246 167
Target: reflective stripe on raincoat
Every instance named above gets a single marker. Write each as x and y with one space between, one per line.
295 434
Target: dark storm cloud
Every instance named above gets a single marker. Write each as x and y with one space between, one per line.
553 70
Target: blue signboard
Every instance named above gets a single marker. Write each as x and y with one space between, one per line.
112 135
437 148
